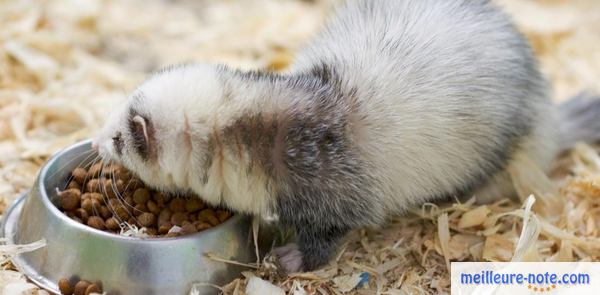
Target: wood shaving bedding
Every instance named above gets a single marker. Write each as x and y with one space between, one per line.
64 64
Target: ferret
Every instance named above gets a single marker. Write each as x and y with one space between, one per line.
394 103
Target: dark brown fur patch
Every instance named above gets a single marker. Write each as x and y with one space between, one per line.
255 134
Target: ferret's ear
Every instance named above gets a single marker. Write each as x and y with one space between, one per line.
138 126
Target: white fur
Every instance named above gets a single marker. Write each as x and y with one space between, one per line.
408 100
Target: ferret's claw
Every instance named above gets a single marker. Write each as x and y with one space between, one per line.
289 257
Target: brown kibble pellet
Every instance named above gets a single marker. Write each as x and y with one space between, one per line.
110 189
133 184
139 209
82 214
193 204
86 205
96 222
93 186
152 231
188 228
92 206
97 196
200 226
164 216
161 198
121 212
113 203
223 215
164 228
112 223
94 171
177 205
65 287
79 175
74 185
93 288
69 199
132 221
208 216
96 205
141 196
171 235
105 212
122 174
153 207
110 170
146 219
129 201
120 184
178 218
81 287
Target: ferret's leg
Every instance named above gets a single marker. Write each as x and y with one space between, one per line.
538 149
315 246
321 218
318 244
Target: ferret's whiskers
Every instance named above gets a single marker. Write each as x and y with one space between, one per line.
100 188
93 162
70 178
117 194
78 157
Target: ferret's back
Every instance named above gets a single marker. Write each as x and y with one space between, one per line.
444 86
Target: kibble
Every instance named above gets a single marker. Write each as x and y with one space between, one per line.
69 199
79 175
74 185
164 216
177 205
106 198
82 287
141 196
93 185
92 288
188 228
208 216
223 215
178 218
140 209
193 204
82 214
146 219
112 223
65 287
153 207
96 222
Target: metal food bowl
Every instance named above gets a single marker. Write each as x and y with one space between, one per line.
123 265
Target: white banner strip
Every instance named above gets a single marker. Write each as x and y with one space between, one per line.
515 278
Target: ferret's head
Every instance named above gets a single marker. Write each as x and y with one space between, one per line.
161 132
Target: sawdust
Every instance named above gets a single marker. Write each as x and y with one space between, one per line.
64 64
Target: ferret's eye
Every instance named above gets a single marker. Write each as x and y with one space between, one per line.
138 127
118 143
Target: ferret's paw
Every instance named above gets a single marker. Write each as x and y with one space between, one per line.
289 257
